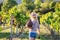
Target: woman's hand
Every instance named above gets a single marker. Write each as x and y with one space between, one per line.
38 33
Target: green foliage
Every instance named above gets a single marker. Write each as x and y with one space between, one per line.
26 1
0 28
37 3
52 18
30 7
52 4
20 15
7 4
21 11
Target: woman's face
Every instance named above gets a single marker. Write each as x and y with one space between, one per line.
34 17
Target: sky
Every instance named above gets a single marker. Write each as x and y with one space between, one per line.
1 1
18 1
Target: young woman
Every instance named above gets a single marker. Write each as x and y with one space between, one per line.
35 26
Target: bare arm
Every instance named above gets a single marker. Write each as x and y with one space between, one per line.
39 31
38 28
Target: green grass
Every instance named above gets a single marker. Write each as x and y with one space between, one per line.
7 35
4 35
42 37
24 36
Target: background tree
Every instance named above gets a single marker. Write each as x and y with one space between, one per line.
7 4
0 6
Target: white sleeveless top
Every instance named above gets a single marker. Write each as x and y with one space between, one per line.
35 26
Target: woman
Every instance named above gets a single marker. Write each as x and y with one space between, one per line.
32 31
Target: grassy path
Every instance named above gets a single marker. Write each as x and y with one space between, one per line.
5 34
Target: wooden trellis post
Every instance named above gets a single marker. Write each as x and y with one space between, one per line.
11 34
